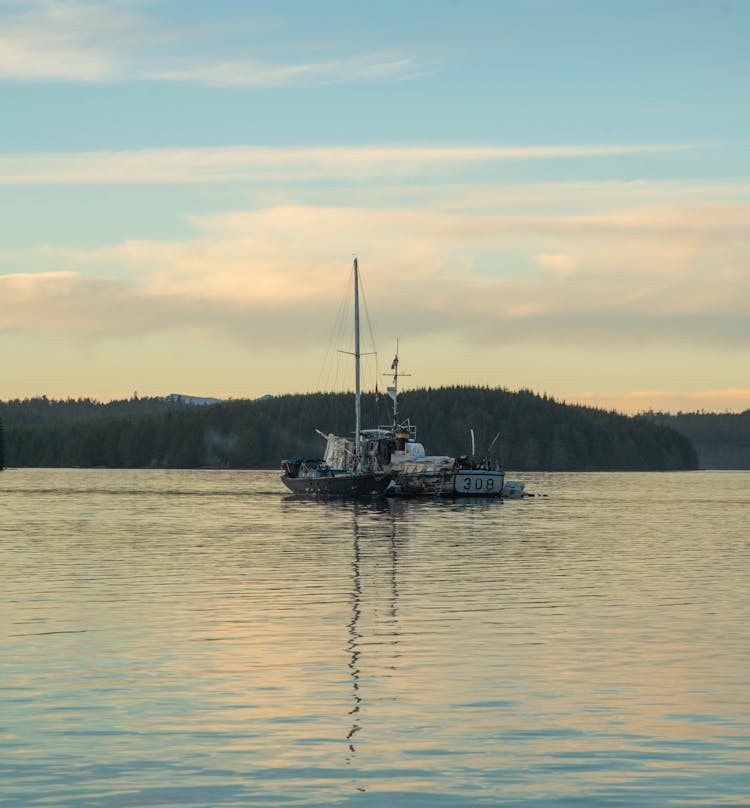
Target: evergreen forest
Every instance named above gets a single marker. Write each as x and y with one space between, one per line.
535 431
722 440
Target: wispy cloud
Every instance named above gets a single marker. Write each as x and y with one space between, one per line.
579 282
49 40
246 73
242 163
62 41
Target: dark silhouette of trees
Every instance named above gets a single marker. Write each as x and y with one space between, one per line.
722 440
536 432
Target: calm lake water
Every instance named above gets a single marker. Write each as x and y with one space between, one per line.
198 638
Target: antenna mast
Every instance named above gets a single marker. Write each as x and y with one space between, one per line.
393 389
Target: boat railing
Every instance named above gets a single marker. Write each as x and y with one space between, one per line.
310 467
405 427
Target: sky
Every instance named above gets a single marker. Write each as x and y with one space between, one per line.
550 195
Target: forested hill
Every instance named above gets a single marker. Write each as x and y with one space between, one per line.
536 432
722 440
43 410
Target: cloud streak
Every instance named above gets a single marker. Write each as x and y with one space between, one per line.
94 43
233 164
247 73
63 42
636 277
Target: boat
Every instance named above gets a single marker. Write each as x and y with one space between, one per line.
414 473
347 468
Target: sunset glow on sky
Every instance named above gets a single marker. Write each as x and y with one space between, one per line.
542 195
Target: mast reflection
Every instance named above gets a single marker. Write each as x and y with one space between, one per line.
354 635
372 526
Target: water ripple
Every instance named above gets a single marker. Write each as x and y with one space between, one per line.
201 639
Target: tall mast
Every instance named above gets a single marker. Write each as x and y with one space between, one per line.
357 414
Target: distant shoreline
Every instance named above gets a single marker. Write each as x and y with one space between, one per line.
536 432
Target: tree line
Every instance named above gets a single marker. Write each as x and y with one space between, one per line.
536 432
722 440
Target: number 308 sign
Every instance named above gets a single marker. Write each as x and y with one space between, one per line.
482 483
